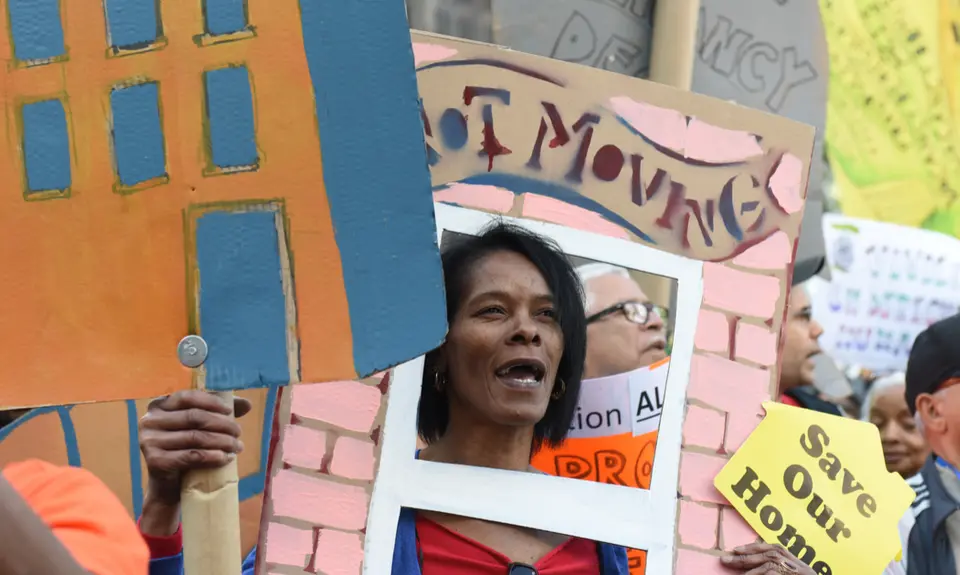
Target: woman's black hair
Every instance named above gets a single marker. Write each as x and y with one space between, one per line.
459 258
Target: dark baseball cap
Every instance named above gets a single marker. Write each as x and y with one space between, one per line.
934 358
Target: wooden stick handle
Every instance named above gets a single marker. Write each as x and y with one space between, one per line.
210 505
674 42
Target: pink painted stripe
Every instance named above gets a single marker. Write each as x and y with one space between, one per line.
489 198
424 53
665 127
557 212
708 143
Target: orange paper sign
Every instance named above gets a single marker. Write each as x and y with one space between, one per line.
622 459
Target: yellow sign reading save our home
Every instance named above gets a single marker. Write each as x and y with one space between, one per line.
817 485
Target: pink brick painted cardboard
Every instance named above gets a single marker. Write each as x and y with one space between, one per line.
289 545
353 458
338 553
734 531
699 524
713 332
741 292
696 477
303 446
319 501
691 562
727 385
699 147
704 428
773 253
347 404
756 343
740 427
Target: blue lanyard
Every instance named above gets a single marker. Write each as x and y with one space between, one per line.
942 463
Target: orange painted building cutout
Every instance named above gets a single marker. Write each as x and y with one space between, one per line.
214 168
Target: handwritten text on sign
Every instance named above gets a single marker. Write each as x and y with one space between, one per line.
817 484
889 283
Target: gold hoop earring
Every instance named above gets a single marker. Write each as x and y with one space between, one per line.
563 389
439 381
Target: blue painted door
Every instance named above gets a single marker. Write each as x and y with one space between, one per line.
242 301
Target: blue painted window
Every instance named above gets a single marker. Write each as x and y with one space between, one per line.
133 24
46 146
242 303
138 134
224 16
36 29
230 115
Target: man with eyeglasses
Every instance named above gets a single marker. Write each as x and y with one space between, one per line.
624 330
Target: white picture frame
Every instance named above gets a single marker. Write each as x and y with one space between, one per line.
627 516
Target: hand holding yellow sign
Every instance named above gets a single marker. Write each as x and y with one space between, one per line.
817 485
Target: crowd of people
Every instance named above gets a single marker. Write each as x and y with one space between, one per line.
504 384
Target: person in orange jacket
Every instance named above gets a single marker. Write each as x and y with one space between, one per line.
64 520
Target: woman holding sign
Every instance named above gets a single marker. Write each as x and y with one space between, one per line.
505 382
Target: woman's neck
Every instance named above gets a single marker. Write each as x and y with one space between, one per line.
498 447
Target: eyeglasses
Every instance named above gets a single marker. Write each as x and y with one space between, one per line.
636 312
521 569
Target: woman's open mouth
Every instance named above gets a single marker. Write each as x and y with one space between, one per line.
523 373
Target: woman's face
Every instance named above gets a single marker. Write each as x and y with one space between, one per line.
904 449
501 355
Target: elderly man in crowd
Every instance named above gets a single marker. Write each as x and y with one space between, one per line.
624 330
931 528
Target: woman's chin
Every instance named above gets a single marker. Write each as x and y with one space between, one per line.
521 415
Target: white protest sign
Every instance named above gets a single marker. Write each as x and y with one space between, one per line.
626 403
889 283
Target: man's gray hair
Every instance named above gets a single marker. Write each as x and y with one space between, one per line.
595 270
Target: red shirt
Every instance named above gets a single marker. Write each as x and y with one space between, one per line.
787 400
446 552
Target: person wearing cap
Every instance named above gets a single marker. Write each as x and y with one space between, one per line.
930 530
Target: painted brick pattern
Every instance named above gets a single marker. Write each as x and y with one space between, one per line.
734 380
730 378
321 489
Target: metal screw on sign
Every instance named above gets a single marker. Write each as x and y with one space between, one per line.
192 351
